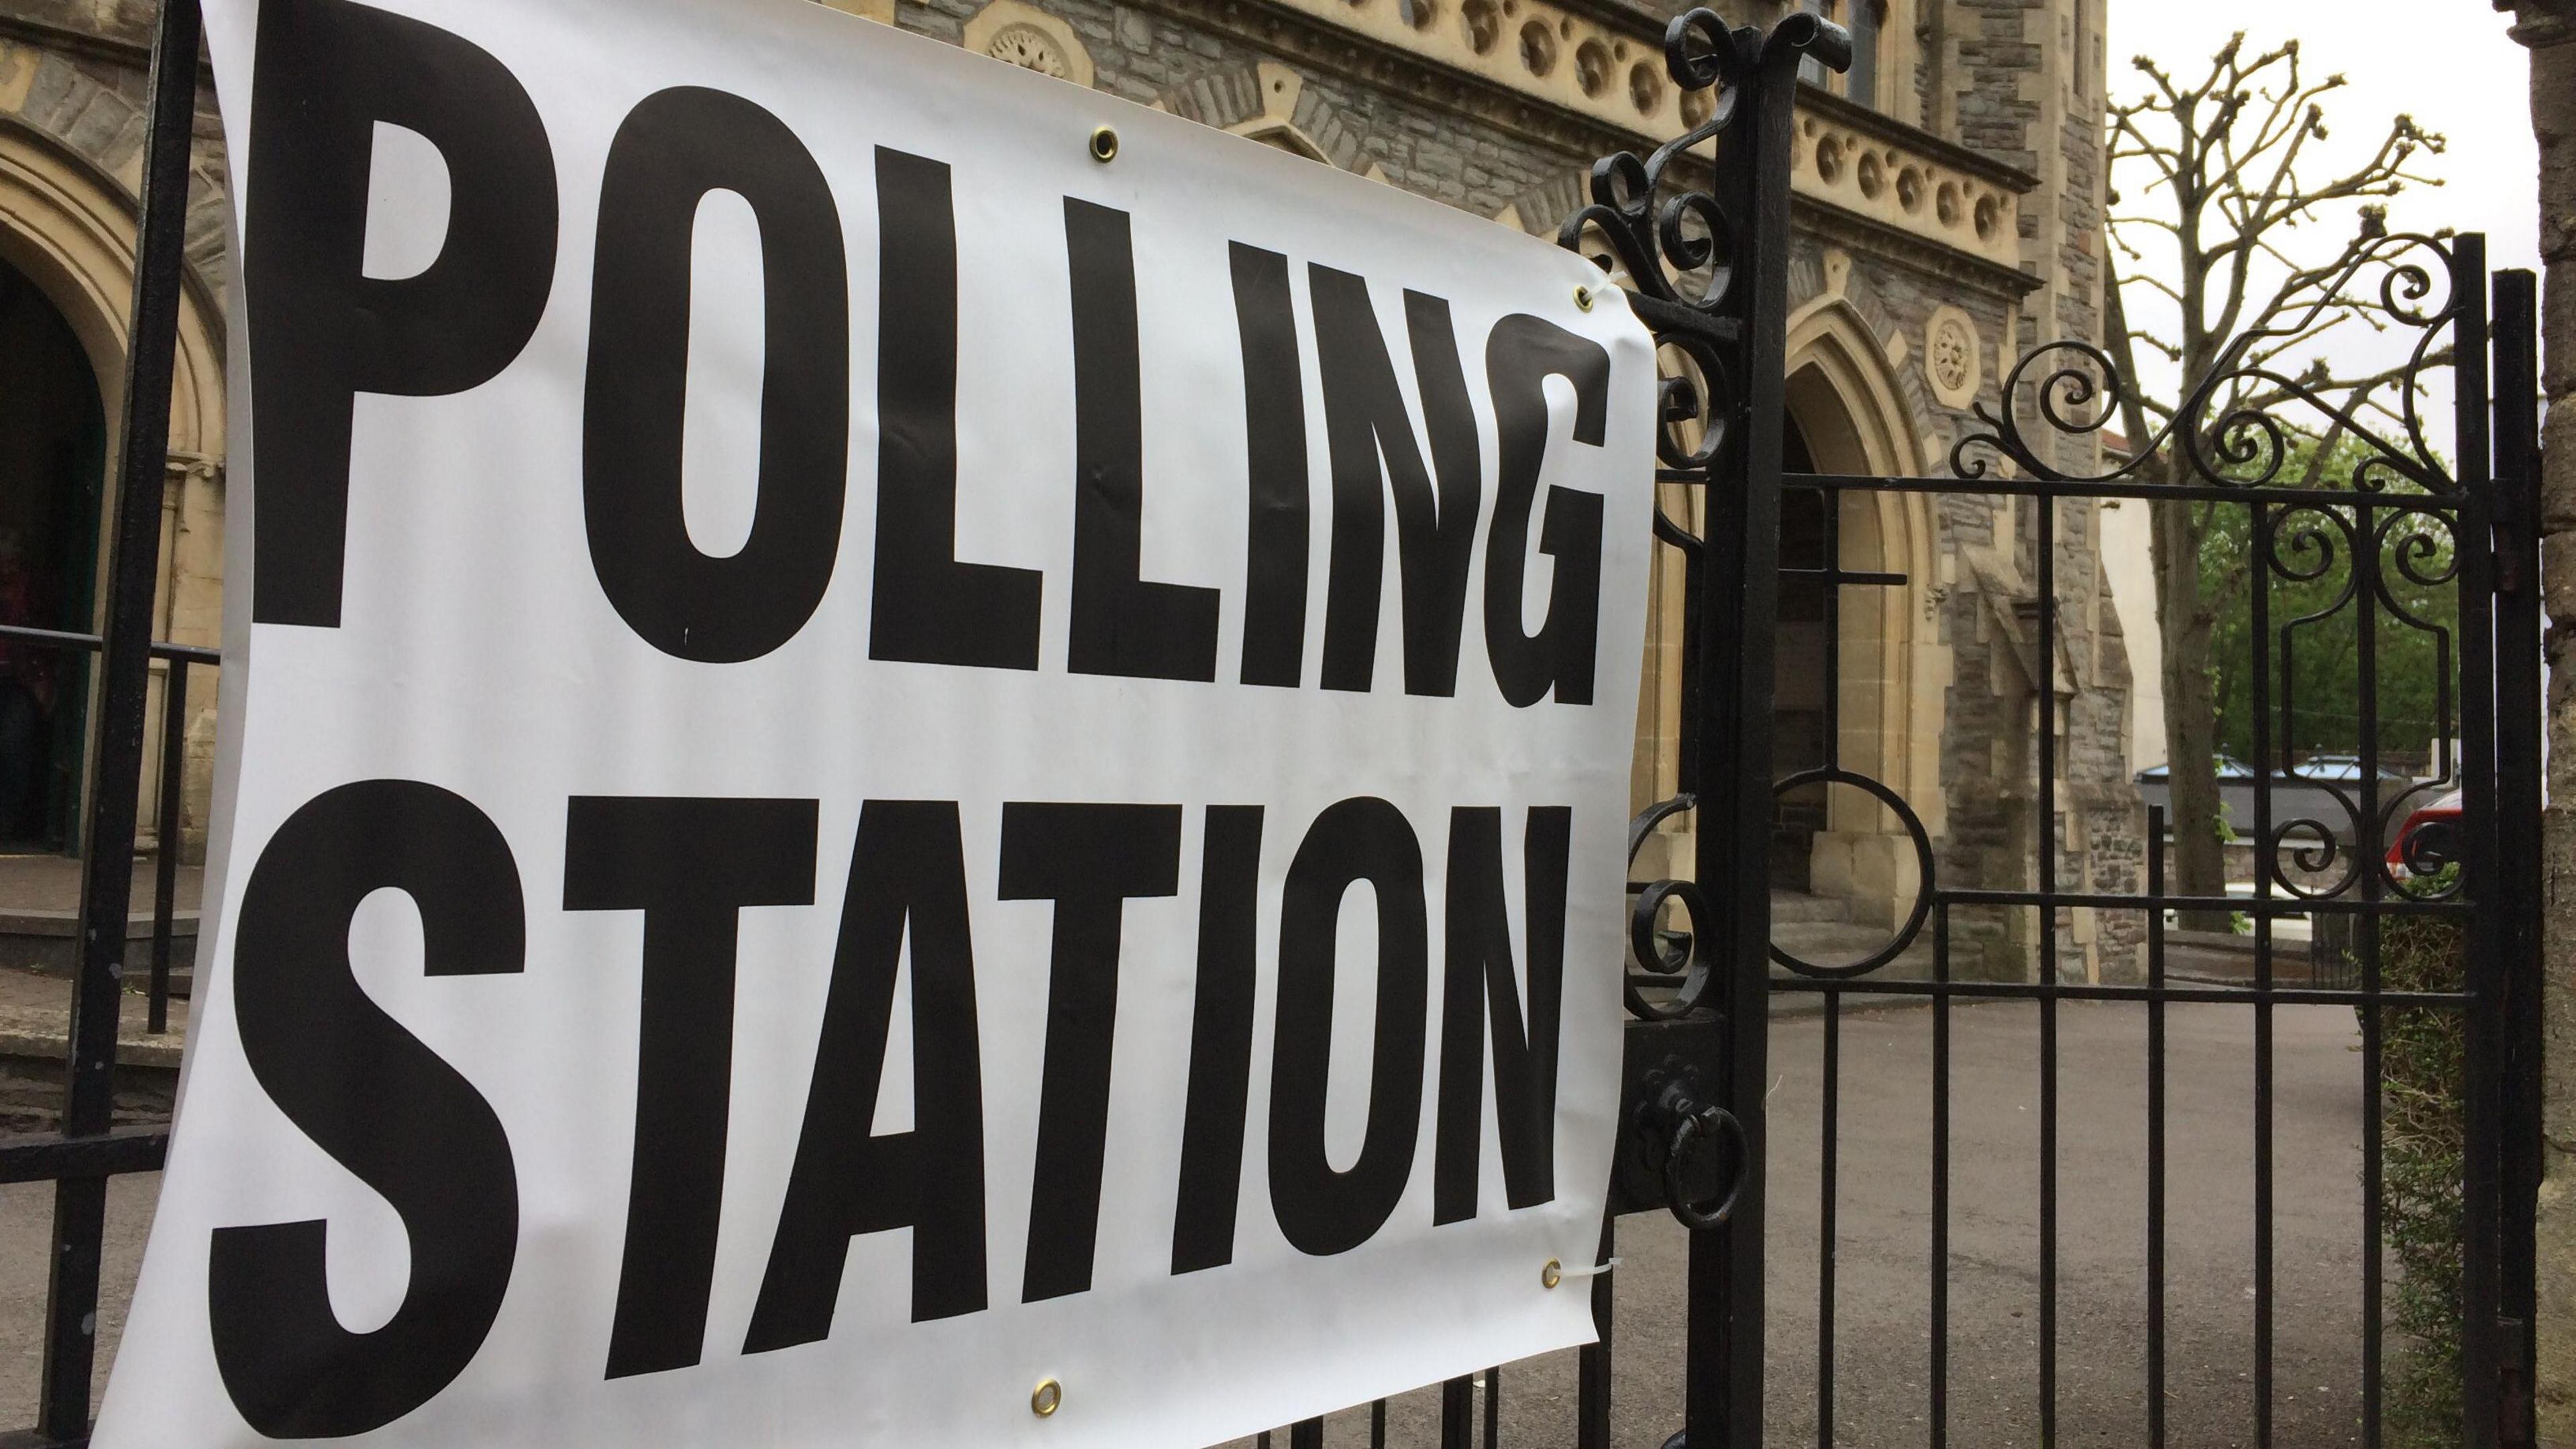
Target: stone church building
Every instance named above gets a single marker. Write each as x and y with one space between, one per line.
1949 218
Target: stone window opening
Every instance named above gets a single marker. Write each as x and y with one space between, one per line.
1867 22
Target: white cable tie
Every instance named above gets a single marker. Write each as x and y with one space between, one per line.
1588 1272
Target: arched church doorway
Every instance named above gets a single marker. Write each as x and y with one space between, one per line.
1854 685
1858 682
53 449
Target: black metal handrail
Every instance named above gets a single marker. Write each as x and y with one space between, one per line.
92 644
174 736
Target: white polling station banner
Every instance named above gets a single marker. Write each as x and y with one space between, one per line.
879 774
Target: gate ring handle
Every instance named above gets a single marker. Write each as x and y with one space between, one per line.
1688 1133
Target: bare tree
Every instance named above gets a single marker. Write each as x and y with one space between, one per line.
2229 172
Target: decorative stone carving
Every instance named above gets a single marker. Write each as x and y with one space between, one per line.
1023 35
1029 48
1602 63
1953 357
1867 165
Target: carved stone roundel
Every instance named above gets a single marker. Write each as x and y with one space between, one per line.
1030 48
1950 360
1951 352
1016 32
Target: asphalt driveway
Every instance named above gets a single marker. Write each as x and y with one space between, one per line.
1881 1391
1883 1238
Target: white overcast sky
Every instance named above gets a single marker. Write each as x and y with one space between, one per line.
2449 63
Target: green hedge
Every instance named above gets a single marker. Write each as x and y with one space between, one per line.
2422 1054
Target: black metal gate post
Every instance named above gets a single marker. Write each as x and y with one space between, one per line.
2520 721
107 874
2484 860
1737 615
1723 433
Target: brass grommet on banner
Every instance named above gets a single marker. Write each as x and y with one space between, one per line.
1583 298
1104 144
1556 1272
1046 1398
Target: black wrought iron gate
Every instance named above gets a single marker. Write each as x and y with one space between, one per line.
1702 252
1707 271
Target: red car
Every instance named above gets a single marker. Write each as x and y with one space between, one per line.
2444 811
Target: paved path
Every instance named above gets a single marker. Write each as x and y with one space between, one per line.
1880 1396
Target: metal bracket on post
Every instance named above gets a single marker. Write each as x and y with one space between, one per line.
1688 1139
2514 1406
1679 1151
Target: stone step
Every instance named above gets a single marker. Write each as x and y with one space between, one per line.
1799 907
1914 963
35 1028
1828 943
49 940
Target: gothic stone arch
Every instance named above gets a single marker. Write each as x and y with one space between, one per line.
68 221
1851 403
1268 102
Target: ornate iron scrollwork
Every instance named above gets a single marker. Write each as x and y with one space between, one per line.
1676 249
1660 953
1673 251
2386 516
2226 429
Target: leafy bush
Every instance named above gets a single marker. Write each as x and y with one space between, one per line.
2422 1057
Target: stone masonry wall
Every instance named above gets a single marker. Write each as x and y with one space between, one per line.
2006 76
2549 28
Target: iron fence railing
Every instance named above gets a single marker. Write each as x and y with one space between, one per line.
170 789
89 1148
